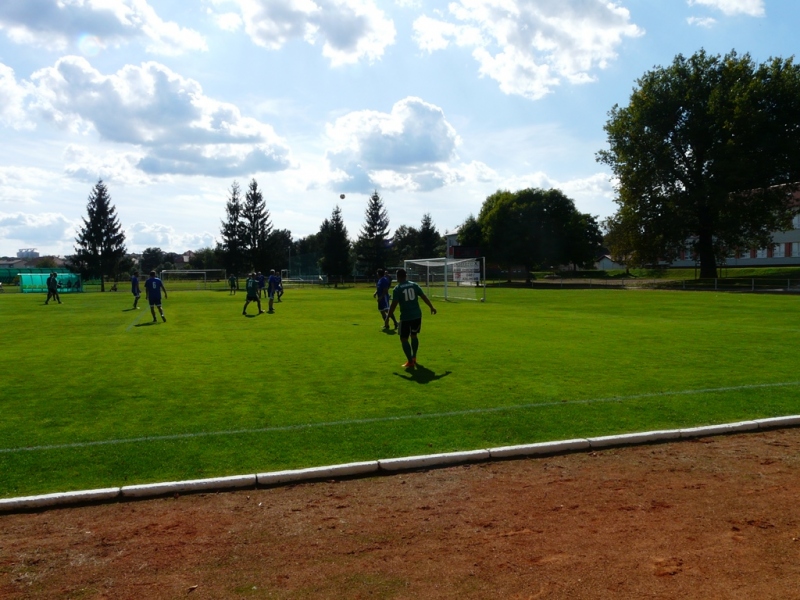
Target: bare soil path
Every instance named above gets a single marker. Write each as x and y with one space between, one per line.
711 518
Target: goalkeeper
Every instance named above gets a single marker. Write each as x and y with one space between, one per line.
407 294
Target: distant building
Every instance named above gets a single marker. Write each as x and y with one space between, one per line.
27 253
784 251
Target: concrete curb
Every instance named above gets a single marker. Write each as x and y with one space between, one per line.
389 465
631 439
410 463
193 485
542 448
310 474
58 499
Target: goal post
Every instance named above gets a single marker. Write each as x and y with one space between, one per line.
190 279
451 279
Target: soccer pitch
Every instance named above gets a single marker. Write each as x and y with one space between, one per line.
93 396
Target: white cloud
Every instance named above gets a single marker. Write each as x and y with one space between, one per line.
12 100
531 46
24 185
413 147
90 25
178 129
143 235
43 229
593 194
706 22
750 8
81 162
348 30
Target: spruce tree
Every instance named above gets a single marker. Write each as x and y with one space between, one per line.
257 228
232 233
372 246
335 261
100 244
430 242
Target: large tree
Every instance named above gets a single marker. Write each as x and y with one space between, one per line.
335 243
405 243
538 229
100 244
706 152
232 232
257 228
372 246
152 259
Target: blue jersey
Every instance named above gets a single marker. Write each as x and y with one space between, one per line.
135 285
382 286
273 282
260 279
154 287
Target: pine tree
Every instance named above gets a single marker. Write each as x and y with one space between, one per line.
257 228
100 244
335 261
372 246
232 233
430 242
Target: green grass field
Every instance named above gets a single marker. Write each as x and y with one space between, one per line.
93 396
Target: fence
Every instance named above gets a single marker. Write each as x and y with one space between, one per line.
750 284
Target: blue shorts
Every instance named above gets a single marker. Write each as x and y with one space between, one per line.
383 303
155 301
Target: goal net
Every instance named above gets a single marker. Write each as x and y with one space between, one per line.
184 279
451 279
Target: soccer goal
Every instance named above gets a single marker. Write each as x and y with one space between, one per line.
208 279
451 279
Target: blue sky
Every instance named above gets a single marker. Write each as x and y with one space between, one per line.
434 104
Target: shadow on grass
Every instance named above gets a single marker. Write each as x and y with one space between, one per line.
147 324
421 375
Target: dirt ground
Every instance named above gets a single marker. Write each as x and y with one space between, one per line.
711 518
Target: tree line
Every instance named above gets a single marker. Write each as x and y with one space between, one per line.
706 154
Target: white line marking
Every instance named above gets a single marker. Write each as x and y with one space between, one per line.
457 413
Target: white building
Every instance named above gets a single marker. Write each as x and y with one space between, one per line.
784 251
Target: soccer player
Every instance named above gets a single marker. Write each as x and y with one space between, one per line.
261 282
251 286
382 294
407 294
272 286
279 289
135 289
52 288
232 282
152 289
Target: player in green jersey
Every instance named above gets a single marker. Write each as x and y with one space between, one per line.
407 294
252 293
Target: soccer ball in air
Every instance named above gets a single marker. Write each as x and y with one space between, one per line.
341 196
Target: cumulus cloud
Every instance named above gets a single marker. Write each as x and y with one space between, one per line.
86 164
413 147
24 185
706 22
143 235
750 8
13 97
90 25
43 229
178 129
593 194
348 30
531 46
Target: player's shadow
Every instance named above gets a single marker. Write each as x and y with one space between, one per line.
389 331
421 375
128 309
146 324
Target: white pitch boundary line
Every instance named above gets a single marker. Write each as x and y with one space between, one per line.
458 413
